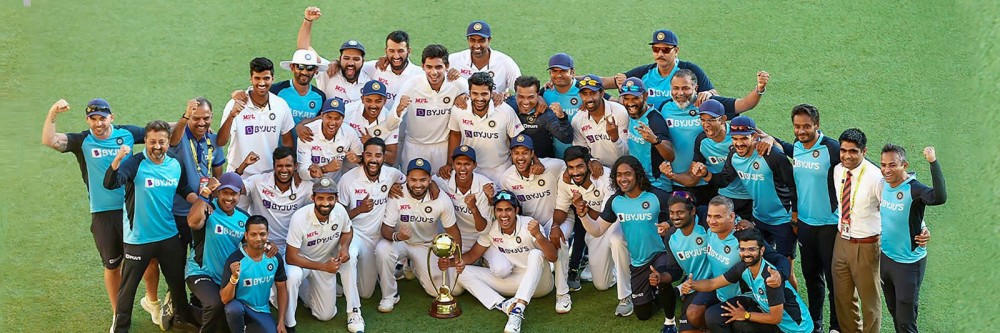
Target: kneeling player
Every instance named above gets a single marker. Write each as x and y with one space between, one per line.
251 276
520 240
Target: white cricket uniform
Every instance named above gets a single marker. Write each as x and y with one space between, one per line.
489 135
258 130
501 68
422 217
319 241
530 277
466 222
381 128
429 113
391 80
337 86
276 206
592 134
322 150
605 250
354 187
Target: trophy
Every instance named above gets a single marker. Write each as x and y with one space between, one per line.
444 305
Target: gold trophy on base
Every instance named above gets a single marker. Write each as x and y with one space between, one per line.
444 305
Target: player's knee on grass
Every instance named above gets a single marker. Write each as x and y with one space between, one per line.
645 311
696 315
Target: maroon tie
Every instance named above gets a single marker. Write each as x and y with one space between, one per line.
845 204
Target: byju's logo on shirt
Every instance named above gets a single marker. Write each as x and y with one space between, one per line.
624 217
98 153
431 113
276 207
220 230
153 182
254 129
483 135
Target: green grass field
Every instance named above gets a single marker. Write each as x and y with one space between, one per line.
916 73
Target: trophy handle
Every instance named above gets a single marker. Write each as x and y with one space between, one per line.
457 273
430 274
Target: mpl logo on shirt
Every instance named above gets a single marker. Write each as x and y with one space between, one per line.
254 129
98 153
154 182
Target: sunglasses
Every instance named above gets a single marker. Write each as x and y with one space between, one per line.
741 128
587 82
95 108
631 88
749 249
662 49
685 195
503 195
302 67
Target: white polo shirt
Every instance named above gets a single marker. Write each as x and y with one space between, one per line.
501 68
866 188
596 196
354 186
337 86
322 150
537 193
514 246
463 215
381 128
317 241
421 215
276 206
429 108
591 133
258 130
490 134
391 81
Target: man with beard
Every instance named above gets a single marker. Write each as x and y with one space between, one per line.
904 251
481 58
303 98
394 68
658 75
256 119
94 149
196 149
152 233
544 125
760 307
681 114
485 127
335 150
364 192
425 102
252 276
520 241
318 241
648 135
276 195
370 118
346 79
586 193
596 125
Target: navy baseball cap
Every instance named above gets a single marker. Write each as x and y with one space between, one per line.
632 86
478 28
712 108
464 150
419 164
98 106
523 141
232 181
590 81
334 104
324 185
742 125
561 61
664 37
373 87
353 44
507 196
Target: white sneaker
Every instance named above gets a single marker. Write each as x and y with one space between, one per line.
153 308
563 303
386 304
506 305
625 307
355 323
514 322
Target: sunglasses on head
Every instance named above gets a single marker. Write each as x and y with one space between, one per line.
95 108
302 67
685 195
741 128
631 88
663 49
587 82
503 195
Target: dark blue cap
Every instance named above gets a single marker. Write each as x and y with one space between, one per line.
479 28
507 196
742 125
590 81
353 44
561 61
373 87
232 181
324 185
664 37
334 104
464 150
523 141
418 164
632 86
712 108
98 106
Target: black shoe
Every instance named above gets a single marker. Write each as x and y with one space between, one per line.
573 280
290 329
185 326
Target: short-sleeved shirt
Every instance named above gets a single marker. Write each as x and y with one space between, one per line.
723 253
638 217
490 133
463 215
691 251
793 318
685 125
223 234
276 206
429 108
570 104
337 86
644 151
258 130
768 179
537 193
303 106
422 215
321 150
207 154
596 195
658 86
902 211
501 68
391 80
714 155
515 246
544 128
149 195
381 128
354 186
592 133
318 240
256 278
95 156
813 173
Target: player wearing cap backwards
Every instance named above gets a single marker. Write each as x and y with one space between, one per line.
520 241
648 135
149 229
318 242
252 276
370 118
545 125
657 76
587 193
303 98
425 102
276 195
596 125
904 233
419 214
563 99
481 58
335 150
345 79
256 120
484 127
94 149
471 194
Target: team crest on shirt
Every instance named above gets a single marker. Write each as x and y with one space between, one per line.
385 188
270 267
760 291
490 73
119 141
272 116
492 123
727 249
597 193
541 182
243 224
447 99
573 101
899 195
340 149
518 239
815 153
334 227
692 112
531 119
698 240
645 205
312 104
378 132
428 209
756 165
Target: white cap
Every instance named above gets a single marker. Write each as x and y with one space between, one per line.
305 57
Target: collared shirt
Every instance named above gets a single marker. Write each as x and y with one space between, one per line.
355 187
196 164
429 108
490 134
276 206
537 193
596 196
515 246
337 86
865 183
381 128
501 68
95 156
422 215
317 240
302 106
463 215
258 130
592 133
321 151
391 81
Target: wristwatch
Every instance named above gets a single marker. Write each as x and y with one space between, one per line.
746 316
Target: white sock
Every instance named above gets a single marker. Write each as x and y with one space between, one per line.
668 321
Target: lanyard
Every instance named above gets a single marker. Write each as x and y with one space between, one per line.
194 153
854 188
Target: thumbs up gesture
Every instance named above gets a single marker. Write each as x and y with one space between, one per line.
654 276
688 286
